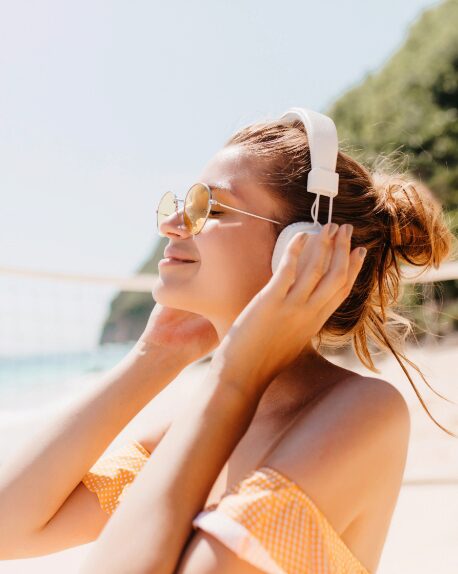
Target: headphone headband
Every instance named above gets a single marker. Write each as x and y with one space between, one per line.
324 146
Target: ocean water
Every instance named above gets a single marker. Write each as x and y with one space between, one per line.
34 388
30 382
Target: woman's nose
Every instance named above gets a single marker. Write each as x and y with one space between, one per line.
174 225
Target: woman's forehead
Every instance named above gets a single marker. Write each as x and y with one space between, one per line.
239 191
231 173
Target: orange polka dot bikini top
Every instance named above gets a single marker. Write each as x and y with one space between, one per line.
266 519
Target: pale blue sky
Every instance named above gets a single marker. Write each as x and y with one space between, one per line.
104 106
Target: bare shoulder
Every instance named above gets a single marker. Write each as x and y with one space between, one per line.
358 407
379 386
374 402
390 415
347 447
375 393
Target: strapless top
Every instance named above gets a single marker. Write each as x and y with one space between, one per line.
265 518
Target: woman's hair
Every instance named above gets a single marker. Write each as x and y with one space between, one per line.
395 217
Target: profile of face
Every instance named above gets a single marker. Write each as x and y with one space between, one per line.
232 252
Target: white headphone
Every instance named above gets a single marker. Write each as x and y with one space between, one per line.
322 179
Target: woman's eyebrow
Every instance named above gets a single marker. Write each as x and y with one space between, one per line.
221 187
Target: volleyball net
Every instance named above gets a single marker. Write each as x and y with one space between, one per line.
54 324
55 311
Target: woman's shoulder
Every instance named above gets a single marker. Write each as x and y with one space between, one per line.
362 389
315 486
339 451
378 397
358 408
348 455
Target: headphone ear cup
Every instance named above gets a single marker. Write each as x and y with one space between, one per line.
287 234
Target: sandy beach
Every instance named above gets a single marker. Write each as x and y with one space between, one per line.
422 538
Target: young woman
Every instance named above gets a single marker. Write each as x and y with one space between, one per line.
278 461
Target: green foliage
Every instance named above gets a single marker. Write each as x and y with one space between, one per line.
410 106
432 307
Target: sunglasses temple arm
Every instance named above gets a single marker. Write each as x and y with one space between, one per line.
247 213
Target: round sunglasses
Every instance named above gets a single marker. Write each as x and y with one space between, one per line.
197 207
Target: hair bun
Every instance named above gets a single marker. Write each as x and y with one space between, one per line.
416 228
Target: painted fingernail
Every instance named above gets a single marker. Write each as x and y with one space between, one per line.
348 229
362 252
332 229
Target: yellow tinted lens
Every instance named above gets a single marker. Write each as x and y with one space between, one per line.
165 208
196 207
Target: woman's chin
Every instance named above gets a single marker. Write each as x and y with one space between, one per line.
159 293
167 296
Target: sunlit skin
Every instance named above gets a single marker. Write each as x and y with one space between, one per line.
234 254
262 373
255 406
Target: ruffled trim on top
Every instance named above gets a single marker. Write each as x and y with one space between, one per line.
267 520
111 476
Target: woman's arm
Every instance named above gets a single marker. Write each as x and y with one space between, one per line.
37 480
174 483
264 339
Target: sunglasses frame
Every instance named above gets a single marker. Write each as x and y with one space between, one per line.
211 202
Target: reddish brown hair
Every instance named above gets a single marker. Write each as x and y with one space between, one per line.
395 217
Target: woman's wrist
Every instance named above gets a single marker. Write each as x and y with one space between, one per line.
169 355
161 364
227 377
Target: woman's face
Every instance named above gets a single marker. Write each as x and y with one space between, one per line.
232 252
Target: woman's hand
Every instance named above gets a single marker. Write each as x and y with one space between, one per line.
187 334
314 277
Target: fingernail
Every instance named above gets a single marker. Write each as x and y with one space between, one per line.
362 252
348 229
332 229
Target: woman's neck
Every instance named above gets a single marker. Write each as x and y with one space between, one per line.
297 385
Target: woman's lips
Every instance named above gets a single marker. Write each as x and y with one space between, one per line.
172 261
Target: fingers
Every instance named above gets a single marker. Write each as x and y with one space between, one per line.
336 277
317 255
286 273
354 267
328 274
